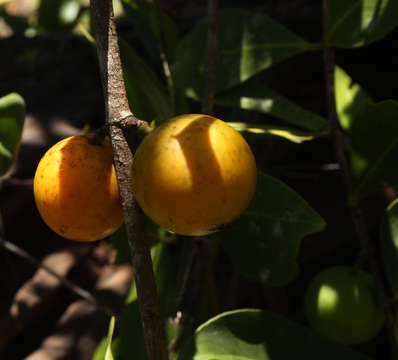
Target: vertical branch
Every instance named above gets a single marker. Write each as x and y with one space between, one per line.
119 118
211 59
356 212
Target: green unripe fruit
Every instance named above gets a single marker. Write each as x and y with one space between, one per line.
342 304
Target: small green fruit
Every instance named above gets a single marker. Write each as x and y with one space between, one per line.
342 304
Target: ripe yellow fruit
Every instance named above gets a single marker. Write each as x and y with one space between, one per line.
194 174
76 190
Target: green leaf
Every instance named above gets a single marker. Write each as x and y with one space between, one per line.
108 352
350 98
291 134
253 96
357 23
12 116
145 91
99 353
249 42
264 242
138 15
389 246
249 334
150 23
375 143
107 345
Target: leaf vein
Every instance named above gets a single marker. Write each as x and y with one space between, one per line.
342 18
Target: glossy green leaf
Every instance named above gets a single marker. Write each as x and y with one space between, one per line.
271 230
350 98
249 334
357 23
147 95
249 42
375 143
12 117
253 96
389 246
291 134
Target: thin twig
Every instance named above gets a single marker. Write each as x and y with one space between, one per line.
211 59
118 116
356 212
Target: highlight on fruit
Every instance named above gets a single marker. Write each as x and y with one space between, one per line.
194 174
76 190
342 304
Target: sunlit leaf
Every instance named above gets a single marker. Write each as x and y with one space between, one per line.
108 352
290 134
357 23
253 96
12 116
271 230
249 42
350 98
249 334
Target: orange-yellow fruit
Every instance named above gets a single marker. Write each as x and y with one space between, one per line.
76 190
194 174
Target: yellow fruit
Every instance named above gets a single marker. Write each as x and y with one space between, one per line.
194 174
76 190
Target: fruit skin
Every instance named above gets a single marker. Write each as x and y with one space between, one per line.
76 190
342 304
194 174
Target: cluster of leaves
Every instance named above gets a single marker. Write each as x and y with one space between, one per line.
278 217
